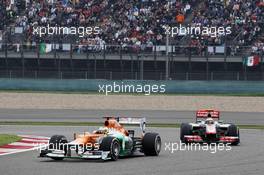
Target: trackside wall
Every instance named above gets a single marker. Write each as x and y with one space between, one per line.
228 87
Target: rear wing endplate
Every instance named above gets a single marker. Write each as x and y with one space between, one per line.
134 121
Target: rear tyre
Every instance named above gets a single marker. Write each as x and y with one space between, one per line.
58 142
151 144
112 145
233 131
186 129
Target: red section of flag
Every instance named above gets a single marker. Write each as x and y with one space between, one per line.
2 153
256 60
16 147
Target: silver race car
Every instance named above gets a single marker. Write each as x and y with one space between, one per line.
209 129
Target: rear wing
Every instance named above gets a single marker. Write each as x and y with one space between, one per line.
130 121
208 113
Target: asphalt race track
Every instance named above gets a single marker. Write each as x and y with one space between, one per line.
248 158
153 116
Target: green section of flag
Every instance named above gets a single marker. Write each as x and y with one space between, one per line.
42 48
244 60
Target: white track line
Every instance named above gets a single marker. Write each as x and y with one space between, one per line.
34 137
7 150
24 144
33 140
20 151
37 146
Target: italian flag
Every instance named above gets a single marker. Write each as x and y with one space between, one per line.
252 61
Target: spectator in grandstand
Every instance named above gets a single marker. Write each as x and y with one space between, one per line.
180 18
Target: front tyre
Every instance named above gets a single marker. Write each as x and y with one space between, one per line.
58 142
112 145
233 131
186 129
151 144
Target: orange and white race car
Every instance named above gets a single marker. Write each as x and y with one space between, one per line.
208 128
108 142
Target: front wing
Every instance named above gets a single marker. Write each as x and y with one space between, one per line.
103 155
199 139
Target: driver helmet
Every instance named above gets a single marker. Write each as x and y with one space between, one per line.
209 121
102 130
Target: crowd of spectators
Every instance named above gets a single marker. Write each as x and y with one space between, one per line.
8 13
246 17
258 46
125 22
139 22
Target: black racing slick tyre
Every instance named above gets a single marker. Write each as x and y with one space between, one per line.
151 144
186 129
58 142
112 145
233 131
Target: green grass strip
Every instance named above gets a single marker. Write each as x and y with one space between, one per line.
7 138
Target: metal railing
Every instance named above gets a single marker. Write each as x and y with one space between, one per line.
68 51
18 61
111 75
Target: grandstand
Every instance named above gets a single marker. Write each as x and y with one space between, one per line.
132 43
